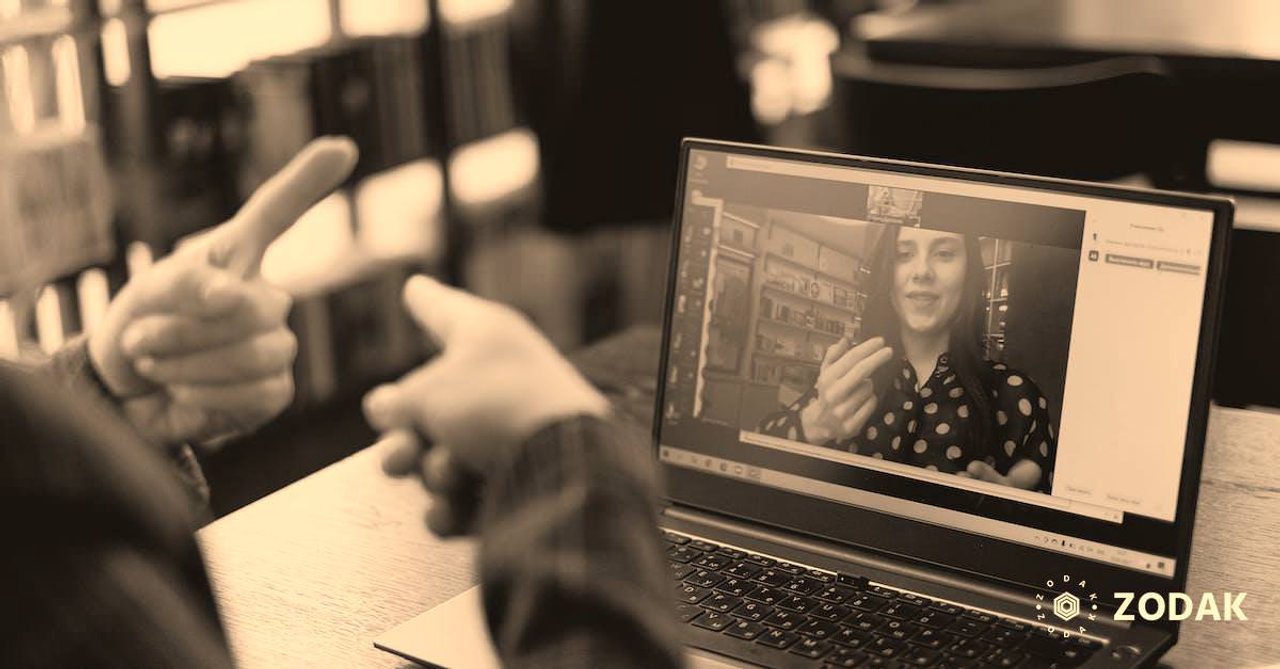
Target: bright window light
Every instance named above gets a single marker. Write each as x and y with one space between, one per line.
398 212
115 53
66 61
218 40
383 17
49 330
462 12
491 169
1246 165
94 295
17 88
314 246
9 349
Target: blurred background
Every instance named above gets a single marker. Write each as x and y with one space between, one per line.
527 150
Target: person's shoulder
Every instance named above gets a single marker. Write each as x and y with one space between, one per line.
1010 382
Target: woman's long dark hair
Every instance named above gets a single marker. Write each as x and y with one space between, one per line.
966 349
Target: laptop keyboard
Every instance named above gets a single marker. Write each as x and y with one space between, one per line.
838 620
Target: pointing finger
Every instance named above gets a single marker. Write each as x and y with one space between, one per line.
319 168
440 310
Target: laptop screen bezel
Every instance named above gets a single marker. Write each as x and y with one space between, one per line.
1019 566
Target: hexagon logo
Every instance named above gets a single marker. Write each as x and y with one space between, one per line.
1066 606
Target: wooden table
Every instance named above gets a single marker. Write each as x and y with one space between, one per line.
309 575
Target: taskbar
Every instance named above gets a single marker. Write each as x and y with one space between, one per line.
950 518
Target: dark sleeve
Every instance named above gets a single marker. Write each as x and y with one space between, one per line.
786 422
70 366
571 563
1027 432
103 570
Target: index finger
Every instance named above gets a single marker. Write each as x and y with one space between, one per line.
311 175
850 358
439 309
836 350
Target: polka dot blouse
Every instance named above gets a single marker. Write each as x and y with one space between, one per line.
927 427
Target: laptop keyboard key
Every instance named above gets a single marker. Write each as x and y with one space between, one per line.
847 636
944 607
777 638
785 620
867 602
773 577
743 569
732 553
863 621
753 611
767 595
691 594
900 610
818 629
931 638
682 554
969 649
720 602
898 630
821 576
914 599
794 570
984 618
829 611
1003 638
933 619
736 587
712 562
704 579
916 656
836 594
846 657
803 585
704 546
745 629
713 621
679 571
811 648
687 612
798 604
882 591
883 646
761 560
674 538
967 627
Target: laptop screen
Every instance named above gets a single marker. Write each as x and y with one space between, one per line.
1010 362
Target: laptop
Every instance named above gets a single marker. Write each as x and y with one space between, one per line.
913 415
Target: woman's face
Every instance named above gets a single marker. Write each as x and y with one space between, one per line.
928 279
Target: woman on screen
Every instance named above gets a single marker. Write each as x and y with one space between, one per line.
919 389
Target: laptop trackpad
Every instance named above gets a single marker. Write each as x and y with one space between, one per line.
454 634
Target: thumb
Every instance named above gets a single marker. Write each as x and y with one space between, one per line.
984 472
439 309
320 167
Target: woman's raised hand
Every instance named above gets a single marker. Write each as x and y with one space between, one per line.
845 399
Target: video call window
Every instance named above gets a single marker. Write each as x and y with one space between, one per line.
928 348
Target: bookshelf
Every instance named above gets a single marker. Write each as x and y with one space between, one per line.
997 256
